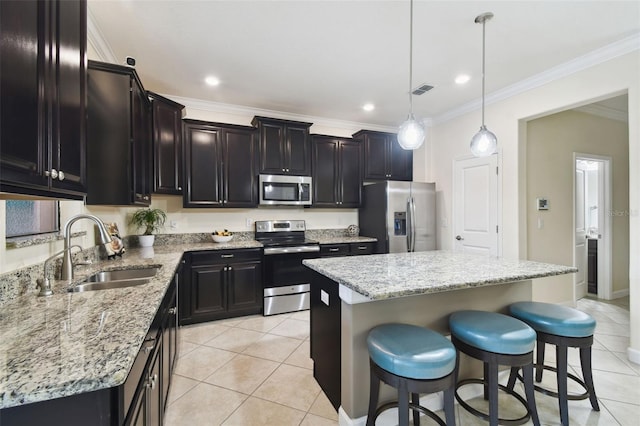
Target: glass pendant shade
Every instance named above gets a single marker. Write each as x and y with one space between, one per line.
484 143
411 134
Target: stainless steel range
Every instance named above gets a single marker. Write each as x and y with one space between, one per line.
285 279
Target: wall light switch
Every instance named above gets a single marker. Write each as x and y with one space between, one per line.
540 223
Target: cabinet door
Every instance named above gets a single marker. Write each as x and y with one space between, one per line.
167 147
245 287
109 150
272 148
22 113
357 249
141 136
375 156
400 161
139 409
239 171
208 297
68 145
350 182
154 391
325 172
297 152
329 250
202 164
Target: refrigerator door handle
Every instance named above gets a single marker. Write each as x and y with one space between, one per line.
411 228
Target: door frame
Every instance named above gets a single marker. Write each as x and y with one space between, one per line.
605 243
498 200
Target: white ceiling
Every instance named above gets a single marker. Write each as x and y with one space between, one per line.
327 58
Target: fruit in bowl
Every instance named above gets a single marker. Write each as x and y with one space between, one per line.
221 236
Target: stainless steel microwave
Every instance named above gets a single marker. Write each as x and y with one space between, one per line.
278 190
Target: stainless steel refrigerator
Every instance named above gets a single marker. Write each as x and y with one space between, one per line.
401 215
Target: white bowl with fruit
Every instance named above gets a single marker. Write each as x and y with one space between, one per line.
221 236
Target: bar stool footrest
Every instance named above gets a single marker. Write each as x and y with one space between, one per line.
549 392
412 407
484 416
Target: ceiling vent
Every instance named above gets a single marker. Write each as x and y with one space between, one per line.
422 89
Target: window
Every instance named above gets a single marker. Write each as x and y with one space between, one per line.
26 217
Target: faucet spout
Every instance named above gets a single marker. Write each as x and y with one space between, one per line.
67 264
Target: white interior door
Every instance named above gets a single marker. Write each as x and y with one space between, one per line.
580 249
475 189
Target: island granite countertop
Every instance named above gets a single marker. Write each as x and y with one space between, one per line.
70 343
386 276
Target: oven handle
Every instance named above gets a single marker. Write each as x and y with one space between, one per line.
286 250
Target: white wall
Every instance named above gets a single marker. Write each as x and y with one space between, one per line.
507 119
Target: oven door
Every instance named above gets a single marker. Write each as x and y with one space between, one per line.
286 280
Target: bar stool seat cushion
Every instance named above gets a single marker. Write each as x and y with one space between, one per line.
410 351
554 319
492 332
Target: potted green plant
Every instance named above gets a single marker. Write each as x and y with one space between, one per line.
151 220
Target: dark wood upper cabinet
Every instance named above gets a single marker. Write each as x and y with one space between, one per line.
220 165
337 175
166 118
119 132
43 79
284 146
383 158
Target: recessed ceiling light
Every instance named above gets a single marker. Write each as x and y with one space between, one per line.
212 81
368 107
462 79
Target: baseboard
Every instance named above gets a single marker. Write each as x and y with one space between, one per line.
620 293
432 401
633 355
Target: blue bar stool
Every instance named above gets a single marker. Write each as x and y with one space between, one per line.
413 360
496 339
563 327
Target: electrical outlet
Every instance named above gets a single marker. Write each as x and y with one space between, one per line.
173 224
249 223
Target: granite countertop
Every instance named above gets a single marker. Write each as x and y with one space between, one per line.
70 343
344 239
385 276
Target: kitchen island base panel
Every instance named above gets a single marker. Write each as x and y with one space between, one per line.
427 310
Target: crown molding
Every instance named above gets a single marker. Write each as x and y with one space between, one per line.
98 42
220 107
603 111
598 56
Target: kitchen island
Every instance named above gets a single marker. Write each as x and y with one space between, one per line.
351 295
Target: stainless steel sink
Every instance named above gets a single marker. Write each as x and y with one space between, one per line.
123 274
106 285
105 280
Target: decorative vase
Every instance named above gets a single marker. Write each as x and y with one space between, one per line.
146 240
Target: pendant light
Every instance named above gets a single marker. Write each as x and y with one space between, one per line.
411 132
483 143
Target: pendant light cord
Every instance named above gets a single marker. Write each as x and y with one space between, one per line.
410 57
484 22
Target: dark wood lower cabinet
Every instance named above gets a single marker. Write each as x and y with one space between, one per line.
325 336
592 266
220 284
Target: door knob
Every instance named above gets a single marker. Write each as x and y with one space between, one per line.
459 238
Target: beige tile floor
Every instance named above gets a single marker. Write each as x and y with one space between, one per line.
256 370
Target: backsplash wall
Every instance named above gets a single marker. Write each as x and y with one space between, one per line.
186 221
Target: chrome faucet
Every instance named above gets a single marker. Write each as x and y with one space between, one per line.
44 284
67 264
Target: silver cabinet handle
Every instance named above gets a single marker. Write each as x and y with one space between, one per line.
226 256
459 238
146 198
173 311
53 173
152 381
179 188
334 249
362 247
60 175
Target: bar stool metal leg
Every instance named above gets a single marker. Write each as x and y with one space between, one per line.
540 346
585 364
374 391
415 399
561 357
527 371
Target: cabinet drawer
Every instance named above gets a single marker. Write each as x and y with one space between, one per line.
215 257
334 250
361 248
